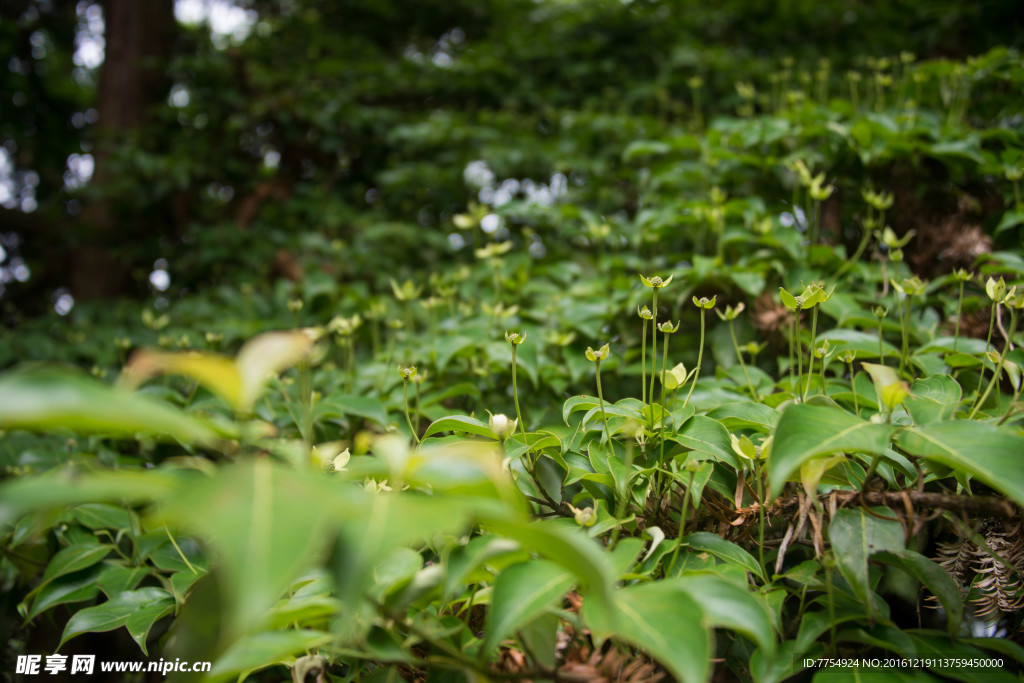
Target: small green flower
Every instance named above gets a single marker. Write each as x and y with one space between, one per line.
889 239
493 250
667 328
996 289
963 275
880 311
676 377
731 313
644 313
585 517
656 282
407 373
407 291
295 305
514 338
599 355
501 425
705 303
911 286
881 201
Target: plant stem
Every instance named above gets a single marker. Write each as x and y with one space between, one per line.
799 349
682 525
664 367
408 419
739 357
306 400
865 238
959 314
905 345
810 363
700 357
600 399
654 352
759 471
999 365
643 364
853 388
515 399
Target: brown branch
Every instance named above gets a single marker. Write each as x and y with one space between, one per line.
991 506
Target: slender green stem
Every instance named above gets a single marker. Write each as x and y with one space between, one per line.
881 345
792 335
700 358
624 496
654 351
799 350
515 399
600 399
853 388
959 314
682 525
643 364
865 238
664 368
810 363
351 365
739 357
408 419
999 365
306 400
180 554
988 341
759 470
905 345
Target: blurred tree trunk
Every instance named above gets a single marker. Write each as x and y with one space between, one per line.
139 40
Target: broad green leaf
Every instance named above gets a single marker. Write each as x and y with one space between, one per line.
724 550
137 610
571 548
746 415
935 579
933 399
522 593
72 559
360 406
727 605
891 390
664 620
806 431
261 650
463 560
265 524
864 343
856 535
217 373
76 587
983 450
104 516
708 440
45 400
460 423
54 489
577 403
263 357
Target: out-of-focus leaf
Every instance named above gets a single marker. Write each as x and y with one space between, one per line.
261 650
136 610
522 593
856 535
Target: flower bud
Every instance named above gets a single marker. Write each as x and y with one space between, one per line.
501 425
599 355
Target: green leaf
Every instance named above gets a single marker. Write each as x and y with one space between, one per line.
463 560
261 650
934 578
137 610
933 399
360 406
460 423
45 400
727 605
76 587
577 403
983 450
104 516
707 439
806 431
745 416
664 620
72 559
522 593
855 535
723 549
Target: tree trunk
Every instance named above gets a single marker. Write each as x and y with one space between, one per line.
139 37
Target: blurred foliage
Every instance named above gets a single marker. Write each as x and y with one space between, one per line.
485 196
